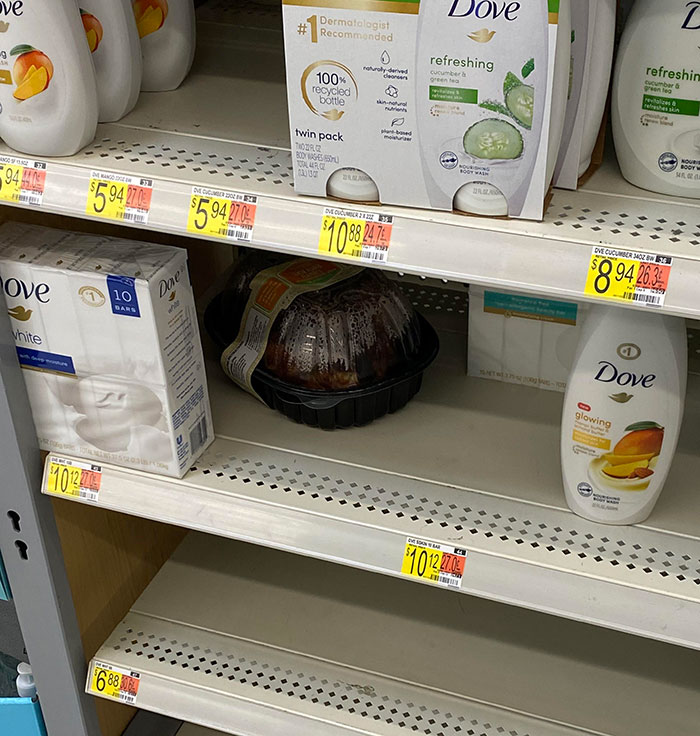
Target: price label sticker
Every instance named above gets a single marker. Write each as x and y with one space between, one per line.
628 276
119 197
65 477
115 682
359 236
221 214
22 180
438 563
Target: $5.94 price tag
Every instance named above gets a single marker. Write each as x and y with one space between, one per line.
628 276
119 197
222 214
438 563
65 477
22 181
115 682
360 236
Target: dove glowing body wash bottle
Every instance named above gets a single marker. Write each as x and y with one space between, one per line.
111 32
622 413
48 96
452 104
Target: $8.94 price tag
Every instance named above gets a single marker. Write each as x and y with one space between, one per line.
115 682
22 181
360 236
222 214
438 563
628 276
64 477
119 197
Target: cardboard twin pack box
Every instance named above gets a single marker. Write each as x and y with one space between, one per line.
524 339
448 104
106 332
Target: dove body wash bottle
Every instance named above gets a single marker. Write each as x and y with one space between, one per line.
48 95
450 105
622 413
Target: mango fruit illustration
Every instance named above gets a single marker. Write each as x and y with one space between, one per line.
635 455
93 29
32 71
150 15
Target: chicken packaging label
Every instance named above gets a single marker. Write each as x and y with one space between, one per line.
106 332
271 292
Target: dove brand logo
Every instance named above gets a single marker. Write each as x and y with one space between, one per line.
609 373
14 288
692 19
167 286
12 7
493 9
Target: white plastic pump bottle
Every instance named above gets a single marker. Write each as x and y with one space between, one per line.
48 94
656 97
110 28
168 38
622 413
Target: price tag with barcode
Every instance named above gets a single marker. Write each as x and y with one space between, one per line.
357 235
438 563
115 682
630 277
119 197
222 214
66 477
22 180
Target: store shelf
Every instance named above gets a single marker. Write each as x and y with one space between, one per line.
257 642
227 128
469 462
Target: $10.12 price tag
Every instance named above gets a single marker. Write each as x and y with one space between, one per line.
222 214
438 563
22 180
628 276
66 477
115 682
119 197
360 236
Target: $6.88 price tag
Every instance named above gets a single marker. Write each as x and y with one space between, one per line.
628 276
438 563
114 682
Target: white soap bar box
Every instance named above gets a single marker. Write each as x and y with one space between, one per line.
106 332
522 339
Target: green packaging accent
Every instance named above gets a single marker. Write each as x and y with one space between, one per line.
553 6
454 94
671 105
528 307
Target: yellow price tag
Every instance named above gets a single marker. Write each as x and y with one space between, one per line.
342 236
11 182
63 480
209 216
435 562
114 682
107 199
612 277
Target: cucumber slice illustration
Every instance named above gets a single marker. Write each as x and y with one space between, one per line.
520 101
493 139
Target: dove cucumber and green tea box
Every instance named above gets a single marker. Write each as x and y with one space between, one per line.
106 333
444 104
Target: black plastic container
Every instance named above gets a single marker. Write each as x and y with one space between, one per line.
336 409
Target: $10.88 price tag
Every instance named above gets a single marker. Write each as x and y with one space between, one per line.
438 563
22 181
66 477
361 236
115 682
119 197
222 214
628 276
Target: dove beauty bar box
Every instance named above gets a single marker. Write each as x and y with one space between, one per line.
106 332
448 104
